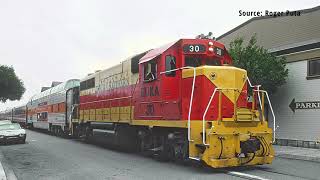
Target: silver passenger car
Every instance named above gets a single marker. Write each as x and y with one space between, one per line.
51 109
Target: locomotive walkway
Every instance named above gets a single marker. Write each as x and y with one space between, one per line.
49 157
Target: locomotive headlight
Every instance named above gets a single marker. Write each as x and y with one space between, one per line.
210 43
210 49
21 135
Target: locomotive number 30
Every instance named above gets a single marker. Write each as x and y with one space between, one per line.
194 48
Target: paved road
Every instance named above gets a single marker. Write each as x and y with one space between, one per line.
49 157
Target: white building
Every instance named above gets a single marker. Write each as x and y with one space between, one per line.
297 103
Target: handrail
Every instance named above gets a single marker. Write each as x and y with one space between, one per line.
270 105
104 100
132 94
191 96
272 112
72 109
70 116
205 113
258 88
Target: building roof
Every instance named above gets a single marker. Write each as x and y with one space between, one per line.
296 37
303 11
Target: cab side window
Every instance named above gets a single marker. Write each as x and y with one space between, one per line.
170 65
150 71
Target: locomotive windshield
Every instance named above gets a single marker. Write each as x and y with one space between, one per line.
194 61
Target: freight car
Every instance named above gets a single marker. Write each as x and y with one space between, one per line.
181 101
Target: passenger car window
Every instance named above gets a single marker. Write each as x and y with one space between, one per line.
150 71
170 65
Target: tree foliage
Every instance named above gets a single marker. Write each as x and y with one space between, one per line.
11 87
263 68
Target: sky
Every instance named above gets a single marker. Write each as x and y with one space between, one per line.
47 40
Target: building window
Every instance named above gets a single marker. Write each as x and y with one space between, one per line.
313 69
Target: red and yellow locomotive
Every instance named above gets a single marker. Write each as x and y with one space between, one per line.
181 101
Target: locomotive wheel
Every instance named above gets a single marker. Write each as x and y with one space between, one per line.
55 131
58 131
75 131
126 138
88 133
181 154
166 153
50 129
